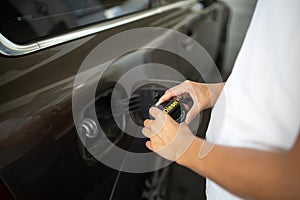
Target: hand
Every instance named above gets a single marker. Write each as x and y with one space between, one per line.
167 138
203 95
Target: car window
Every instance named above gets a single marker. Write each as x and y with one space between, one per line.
157 3
24 21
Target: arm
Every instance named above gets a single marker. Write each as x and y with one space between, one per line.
248 173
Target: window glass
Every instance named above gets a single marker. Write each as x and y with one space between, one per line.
157 3
24 21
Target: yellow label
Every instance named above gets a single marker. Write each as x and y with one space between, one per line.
171 106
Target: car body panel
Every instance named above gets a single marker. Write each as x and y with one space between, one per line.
40 155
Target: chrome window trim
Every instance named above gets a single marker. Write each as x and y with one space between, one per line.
9 48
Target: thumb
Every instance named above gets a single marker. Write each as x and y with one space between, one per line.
168 95
155 112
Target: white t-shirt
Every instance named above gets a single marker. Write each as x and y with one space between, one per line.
260 105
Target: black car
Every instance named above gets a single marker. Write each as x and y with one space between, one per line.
43 45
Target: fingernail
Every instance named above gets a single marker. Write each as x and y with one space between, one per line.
157 103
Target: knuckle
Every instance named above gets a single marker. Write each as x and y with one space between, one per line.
146 132
188 82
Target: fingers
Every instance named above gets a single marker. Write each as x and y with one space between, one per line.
149 146
152 127
147 122
177 90
183 88
153 146
147 132
152 134
168 95
155 112
172 147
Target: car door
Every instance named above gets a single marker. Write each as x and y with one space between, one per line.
43 45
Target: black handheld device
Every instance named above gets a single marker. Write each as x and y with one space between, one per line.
174 108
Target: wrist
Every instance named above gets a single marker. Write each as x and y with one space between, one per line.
191 155
214 91
203 94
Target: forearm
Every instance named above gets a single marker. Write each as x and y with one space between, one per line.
245 172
